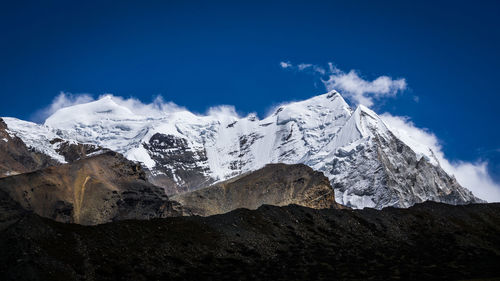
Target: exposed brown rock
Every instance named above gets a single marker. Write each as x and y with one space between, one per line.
93 190
275 184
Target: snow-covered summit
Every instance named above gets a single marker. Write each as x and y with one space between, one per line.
364 159
90 113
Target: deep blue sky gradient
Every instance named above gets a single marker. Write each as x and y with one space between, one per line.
200 54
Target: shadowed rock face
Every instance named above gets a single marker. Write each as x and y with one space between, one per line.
275 184
93 190
16 157
173 155
10 210
429 241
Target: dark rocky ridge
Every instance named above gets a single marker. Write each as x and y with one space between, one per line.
430 241
275 184
93 190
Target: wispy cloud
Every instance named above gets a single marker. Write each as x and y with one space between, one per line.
62 100
351 84
223 111
158 107
472 175
285 64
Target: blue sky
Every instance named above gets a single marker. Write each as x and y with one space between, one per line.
201 54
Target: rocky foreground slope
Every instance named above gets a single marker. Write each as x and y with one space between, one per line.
93 190
429 241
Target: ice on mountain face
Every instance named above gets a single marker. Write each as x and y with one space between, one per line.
366 162
35 136
140 154
292 133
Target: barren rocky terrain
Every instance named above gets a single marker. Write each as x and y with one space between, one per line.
425 242
93 190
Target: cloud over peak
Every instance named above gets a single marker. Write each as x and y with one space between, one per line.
62 100
158 107
352 86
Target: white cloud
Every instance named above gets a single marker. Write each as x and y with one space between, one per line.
473 176
319 69
361 90
351 84
223 111
285 64
62 100
303 66
158 107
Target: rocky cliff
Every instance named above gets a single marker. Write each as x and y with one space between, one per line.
275 184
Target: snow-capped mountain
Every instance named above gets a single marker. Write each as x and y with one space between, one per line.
368 166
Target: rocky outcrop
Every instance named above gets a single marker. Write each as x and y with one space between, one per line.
275 184
178 167
93 190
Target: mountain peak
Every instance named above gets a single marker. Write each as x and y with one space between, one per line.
332 94
90 113
184 151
